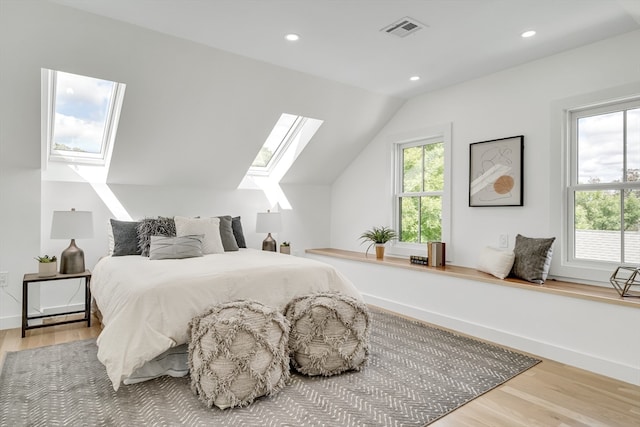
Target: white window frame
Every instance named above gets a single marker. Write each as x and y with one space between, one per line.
437 133
572 186
558 176
106 148
282 148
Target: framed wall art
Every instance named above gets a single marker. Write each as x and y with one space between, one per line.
495 172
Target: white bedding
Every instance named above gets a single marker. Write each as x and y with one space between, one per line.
147 304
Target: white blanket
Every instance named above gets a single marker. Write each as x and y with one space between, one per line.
146 305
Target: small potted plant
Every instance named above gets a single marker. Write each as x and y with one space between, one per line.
378 236
47 266
285 248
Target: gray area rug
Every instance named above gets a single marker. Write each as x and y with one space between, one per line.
415 375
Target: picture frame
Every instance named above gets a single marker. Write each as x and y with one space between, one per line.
495 172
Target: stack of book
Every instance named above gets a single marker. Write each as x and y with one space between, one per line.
422 260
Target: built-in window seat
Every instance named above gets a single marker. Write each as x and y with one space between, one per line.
590 327
570 289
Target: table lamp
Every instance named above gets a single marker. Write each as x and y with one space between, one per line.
72 225
268 222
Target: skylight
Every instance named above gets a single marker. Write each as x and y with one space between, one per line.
82 117
283 133
287 139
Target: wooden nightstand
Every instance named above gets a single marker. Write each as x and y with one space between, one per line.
33 277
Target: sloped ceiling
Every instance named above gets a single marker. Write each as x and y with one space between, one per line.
207 80
341 40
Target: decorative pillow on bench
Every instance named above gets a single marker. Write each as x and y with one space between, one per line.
532 258
496 262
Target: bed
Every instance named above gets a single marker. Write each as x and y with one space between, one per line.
146 305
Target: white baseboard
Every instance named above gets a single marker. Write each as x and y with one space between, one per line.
613 369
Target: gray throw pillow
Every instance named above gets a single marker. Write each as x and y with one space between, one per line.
163 247
125 237
161 226
226 234
532 258
237 232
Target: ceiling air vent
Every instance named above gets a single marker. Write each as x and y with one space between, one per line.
403 27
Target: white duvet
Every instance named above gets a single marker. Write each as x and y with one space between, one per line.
146 305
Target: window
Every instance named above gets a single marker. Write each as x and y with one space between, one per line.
421 196
81 116
289 136
603 191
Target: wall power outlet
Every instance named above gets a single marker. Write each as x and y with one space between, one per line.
503 241
4 279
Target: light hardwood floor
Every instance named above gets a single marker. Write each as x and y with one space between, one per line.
549 394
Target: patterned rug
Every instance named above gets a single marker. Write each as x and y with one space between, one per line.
415 375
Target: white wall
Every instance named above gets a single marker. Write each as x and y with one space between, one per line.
517 101
524 100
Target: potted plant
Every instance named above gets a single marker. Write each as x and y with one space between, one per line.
47 266
378 236
285 248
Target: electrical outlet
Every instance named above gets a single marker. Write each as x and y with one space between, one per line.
503 241
4 279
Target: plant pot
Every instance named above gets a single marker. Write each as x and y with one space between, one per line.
285 250
379 250
47 269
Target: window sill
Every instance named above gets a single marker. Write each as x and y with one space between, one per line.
557 287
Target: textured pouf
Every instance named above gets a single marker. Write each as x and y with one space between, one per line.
329 333
237 353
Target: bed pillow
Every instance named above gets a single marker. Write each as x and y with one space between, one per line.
226 234
209 227
161 226
125 237
532 258
496 262
236 225
162 247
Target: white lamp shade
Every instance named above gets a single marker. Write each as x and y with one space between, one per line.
268 222
72 225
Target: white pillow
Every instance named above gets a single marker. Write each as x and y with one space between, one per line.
496 262
112 240
209 227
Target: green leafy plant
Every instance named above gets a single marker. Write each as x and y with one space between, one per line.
377 235
285 244
45 259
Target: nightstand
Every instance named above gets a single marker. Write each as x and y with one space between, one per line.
34 277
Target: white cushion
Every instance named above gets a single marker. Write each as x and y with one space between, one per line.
209 227
496 262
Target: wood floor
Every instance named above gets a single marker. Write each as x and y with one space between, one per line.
549 394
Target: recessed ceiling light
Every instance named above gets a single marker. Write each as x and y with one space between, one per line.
292 37
527 34
414 78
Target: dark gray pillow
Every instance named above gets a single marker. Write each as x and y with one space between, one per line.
532 258
161 226
125 237
236 225
226 234
162 247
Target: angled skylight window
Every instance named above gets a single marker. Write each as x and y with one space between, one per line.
82 117
282 135
287 139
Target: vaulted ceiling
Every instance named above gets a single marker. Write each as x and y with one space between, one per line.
208 79
341 40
